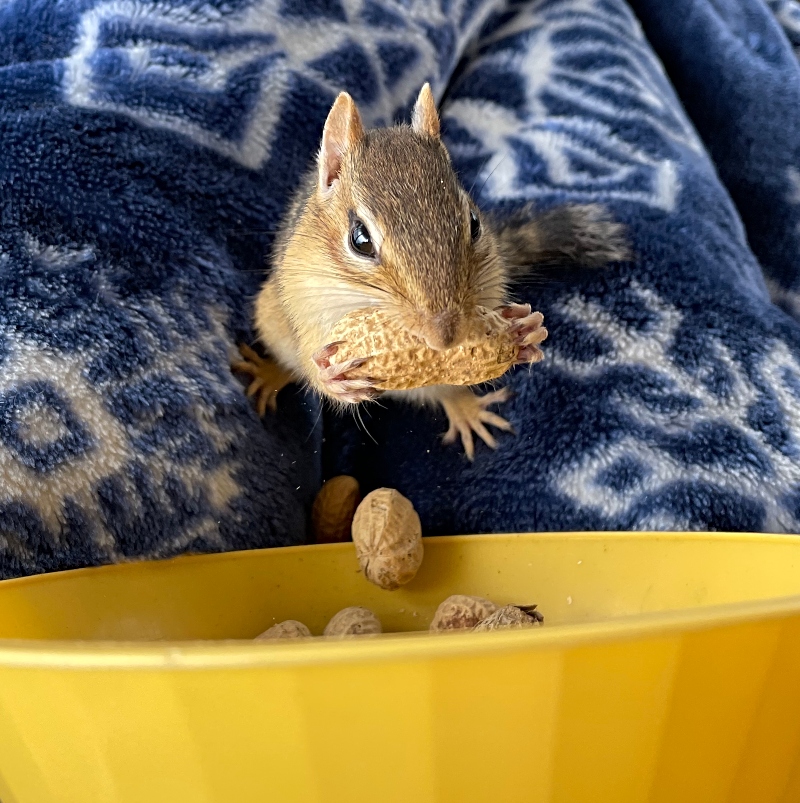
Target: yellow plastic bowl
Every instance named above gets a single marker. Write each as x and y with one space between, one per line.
668 670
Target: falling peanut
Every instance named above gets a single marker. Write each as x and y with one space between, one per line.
388 538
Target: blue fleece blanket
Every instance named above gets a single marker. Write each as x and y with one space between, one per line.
740 83
147 150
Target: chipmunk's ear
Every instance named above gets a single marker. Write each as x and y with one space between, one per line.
425 118
343 131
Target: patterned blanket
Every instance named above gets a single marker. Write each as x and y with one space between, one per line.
147 150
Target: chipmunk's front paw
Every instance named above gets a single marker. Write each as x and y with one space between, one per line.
336 380
269 378
526 326
467 413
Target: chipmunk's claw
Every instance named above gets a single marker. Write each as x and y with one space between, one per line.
526 326
336 380
322 357
467 413
269 378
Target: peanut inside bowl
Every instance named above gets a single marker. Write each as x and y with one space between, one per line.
402 361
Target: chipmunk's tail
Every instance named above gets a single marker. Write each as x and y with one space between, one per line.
565 236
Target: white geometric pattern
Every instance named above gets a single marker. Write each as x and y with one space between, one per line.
112 452
787 13
584 152
649 351
257 33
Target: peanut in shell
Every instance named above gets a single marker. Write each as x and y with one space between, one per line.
388 538
353 621
401 360
460 611
510 617
334 508
291 628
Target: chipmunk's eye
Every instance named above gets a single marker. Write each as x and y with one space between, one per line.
474 225
360 240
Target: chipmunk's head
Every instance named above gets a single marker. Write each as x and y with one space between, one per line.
399 231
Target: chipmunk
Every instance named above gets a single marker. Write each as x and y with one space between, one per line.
382 220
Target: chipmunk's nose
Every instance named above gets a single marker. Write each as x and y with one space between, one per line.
443 330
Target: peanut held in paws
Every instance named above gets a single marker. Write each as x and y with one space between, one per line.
460 611
334 508
377 347
388 538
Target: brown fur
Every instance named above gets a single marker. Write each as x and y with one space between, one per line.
428 267
428 272
425 118
565 235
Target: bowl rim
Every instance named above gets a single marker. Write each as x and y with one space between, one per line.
390 647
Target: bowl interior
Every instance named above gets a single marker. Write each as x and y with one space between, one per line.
572 577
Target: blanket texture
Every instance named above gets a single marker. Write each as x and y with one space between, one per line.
740 83
147 150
